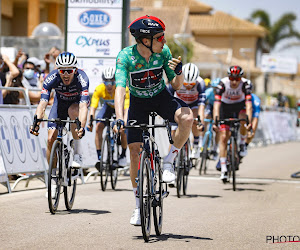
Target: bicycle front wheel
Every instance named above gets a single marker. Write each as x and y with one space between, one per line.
114 169
179 173
186 169
105 162
54 177
204 156
145 195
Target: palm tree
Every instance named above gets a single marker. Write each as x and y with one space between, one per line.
281 29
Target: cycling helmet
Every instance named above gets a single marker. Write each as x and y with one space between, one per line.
146 26
215 82
108 74
190 72
66 59
235 71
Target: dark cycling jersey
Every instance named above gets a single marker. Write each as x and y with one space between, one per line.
77 91
144 79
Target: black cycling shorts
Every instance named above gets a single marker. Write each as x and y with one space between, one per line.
164 104
231 110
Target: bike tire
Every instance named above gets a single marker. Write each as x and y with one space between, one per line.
54 175
233 162
179 180
145 195
105 162
114 171
204 156
186 169
158 206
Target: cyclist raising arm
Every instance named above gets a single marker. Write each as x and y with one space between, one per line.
71 99
141 67
232 95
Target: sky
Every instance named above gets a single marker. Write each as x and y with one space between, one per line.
275 8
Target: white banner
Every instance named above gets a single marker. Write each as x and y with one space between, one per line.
93 68
279 64
94 44
20 150
95 20
96 3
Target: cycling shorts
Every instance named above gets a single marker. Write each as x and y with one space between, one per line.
105 112
164 104
231 111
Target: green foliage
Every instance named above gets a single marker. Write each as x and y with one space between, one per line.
177 51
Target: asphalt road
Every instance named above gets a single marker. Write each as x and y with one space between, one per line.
264 208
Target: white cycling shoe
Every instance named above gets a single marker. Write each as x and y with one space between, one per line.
195 154
122 162
168 173
136 217
77 161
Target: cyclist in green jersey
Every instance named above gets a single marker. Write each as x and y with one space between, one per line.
141 67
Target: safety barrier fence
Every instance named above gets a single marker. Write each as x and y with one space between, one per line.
24 155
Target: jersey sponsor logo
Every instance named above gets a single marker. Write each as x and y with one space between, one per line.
82 81
155 62
94 19
49 79
85 93
139 66
144 31
67 94
146 79
45 91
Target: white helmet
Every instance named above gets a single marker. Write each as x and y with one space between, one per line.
190 72
66 59
108 74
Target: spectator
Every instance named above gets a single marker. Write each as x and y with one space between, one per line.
50 58
282 101
13 97
32 78
21 57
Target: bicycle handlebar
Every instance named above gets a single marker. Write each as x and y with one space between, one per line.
57 121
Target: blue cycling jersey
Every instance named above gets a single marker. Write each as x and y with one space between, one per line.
77 91
255 105
210 96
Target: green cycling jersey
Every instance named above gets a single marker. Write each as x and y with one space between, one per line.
144 79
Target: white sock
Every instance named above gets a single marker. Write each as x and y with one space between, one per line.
223 164
243 139
137 200
77 147
200 140
172 154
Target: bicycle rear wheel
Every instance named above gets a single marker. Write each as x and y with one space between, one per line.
54 175
145 195
186 169
204 156
233 162
158 201
114 169
105 162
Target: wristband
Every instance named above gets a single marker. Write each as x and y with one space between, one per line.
178 69
121 122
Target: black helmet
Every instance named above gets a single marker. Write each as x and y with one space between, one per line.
235 71
146 26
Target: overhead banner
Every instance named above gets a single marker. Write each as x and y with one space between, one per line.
279 64
94 35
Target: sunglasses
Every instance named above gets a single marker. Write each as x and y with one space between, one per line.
160 38
189 84
69 71
109 83
231 78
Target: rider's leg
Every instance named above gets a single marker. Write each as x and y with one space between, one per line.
198 135
98 137
52 135
254 127
224 136
243 135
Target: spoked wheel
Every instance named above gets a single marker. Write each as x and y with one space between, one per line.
70 189
186 169
105 162
145 195
179 173
204 157
114 169
158 201
233 162
54 175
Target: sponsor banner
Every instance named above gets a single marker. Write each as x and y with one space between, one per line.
95 20
94 45
279 64
20 150
93 68
96 3
3 174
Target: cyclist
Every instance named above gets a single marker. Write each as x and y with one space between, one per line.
72 99
141 67
192 93
255 115
210 99
232 99
106 93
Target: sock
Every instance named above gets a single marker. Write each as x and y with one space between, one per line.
223 164
200 140
196 141
98 153
137 200
172 154
243 139
123 154
77 147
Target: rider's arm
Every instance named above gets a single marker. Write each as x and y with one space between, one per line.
248 102
217 104
83 111
177 81
40 110
84 98
119 102
201 98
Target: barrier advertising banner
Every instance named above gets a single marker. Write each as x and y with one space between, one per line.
94 35
279 64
